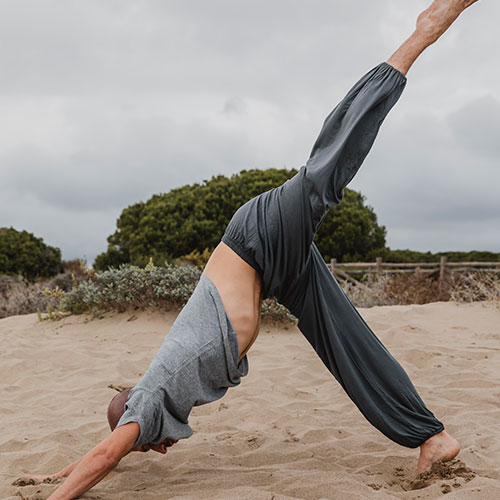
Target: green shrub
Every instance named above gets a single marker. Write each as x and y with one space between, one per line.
152 287
195 258
134 287
23 254
112 257
350 231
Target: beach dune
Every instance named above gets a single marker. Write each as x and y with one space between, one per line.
287 432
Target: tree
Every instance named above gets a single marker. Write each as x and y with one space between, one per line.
194 217
22 253
350 232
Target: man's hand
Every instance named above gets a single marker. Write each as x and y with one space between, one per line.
97 463
52 478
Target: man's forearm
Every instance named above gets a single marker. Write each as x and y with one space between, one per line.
87 472
97 463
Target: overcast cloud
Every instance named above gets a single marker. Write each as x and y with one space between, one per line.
107 102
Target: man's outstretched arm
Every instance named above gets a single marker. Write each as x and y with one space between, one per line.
97 463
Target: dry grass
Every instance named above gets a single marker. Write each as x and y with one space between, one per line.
475 287
403 289
19 297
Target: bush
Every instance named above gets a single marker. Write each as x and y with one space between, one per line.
274 311
23 254
77 267
112 257
132 287
196 258
350 231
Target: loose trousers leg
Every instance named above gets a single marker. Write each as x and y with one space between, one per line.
348 134
372 378
292 213
369 374
274 231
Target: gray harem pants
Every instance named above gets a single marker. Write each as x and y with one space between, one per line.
274 232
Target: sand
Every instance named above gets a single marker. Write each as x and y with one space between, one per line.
287 432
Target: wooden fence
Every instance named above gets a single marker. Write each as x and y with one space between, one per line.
444 268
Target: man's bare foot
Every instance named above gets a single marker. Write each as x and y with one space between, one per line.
435 20
431 24
441 446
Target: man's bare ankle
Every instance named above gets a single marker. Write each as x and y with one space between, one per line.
441 446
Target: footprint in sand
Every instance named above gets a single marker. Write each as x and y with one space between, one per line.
223 406
253 442
291 437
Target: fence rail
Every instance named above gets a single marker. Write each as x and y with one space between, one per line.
444 268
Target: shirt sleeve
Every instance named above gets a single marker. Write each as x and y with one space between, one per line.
155 421
142 408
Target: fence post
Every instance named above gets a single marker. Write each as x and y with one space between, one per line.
379 267
333 263
442 272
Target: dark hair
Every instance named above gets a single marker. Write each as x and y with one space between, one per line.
116 407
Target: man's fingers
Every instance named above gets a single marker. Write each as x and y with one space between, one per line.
29 480
37 479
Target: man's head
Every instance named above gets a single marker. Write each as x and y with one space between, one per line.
116 409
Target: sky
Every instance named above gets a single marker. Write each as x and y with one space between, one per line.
105 103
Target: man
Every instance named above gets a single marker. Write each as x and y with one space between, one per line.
268 250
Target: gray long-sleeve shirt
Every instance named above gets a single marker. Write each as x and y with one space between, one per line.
196 364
